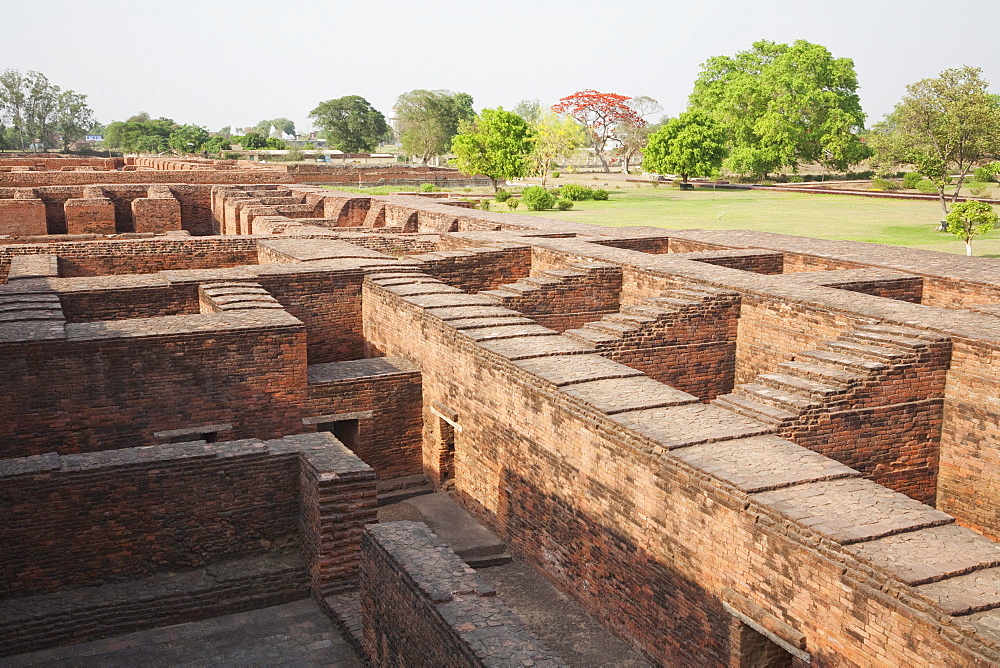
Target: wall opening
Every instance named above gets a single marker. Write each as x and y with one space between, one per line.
758 651
445 450
346 431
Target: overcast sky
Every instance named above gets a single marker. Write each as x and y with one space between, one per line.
222 62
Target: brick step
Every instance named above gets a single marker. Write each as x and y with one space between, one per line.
754 410
908 332
673 302
779 398
647 310
869 352
615 328
564 273
801 385
541 281
895 341
840 359
821 372
628 318
590 336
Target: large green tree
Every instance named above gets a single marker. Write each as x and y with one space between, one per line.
73 117
140 134
496 144
39 111
782 105
428 119
188 138
281 124
943 126
350 124
693 144
556 138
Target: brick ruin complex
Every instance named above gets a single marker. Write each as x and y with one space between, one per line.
733 448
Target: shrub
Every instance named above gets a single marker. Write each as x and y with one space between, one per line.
512 203
987 173
564 205
555 175
484 205
927 187
577 193
538 198
795 178
428 188
883 184
978 189
600 194
502 195
555 191
911 180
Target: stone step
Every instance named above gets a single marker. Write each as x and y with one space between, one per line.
628 318
647 310
541 281
590 336
801 385
907 332
755 410
870 352
783 399
612 327
840 359
395 490
823 373
564 273
895 341
674 302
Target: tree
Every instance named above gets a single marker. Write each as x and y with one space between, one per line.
601 114
783 105
556 138
428 119
139 134
530 110
13 94
943 125
41 104
496 144
632 138
73 117
281 124
188 138
970 219
350 124
693 144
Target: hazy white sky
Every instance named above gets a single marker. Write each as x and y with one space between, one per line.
217 62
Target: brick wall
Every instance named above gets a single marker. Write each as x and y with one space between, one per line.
422 606
637 536
384 396
112 385
184 507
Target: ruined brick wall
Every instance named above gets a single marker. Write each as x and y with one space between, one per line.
23 216
637 536
386 402
138 256
114 386
124 298
180 510
969 476
329 305
422 606
478 269
904 289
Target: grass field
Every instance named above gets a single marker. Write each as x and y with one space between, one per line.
895 222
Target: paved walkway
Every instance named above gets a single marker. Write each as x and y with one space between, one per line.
294 634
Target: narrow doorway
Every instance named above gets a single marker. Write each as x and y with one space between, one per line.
345 431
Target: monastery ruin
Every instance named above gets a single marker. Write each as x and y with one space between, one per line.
731 448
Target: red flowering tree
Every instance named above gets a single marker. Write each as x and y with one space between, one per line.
601 114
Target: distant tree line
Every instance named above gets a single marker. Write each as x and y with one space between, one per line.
36 113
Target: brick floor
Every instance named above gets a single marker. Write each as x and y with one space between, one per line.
294 634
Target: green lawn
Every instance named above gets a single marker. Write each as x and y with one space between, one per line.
896 222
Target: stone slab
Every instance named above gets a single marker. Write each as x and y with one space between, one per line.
616 395
680 426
